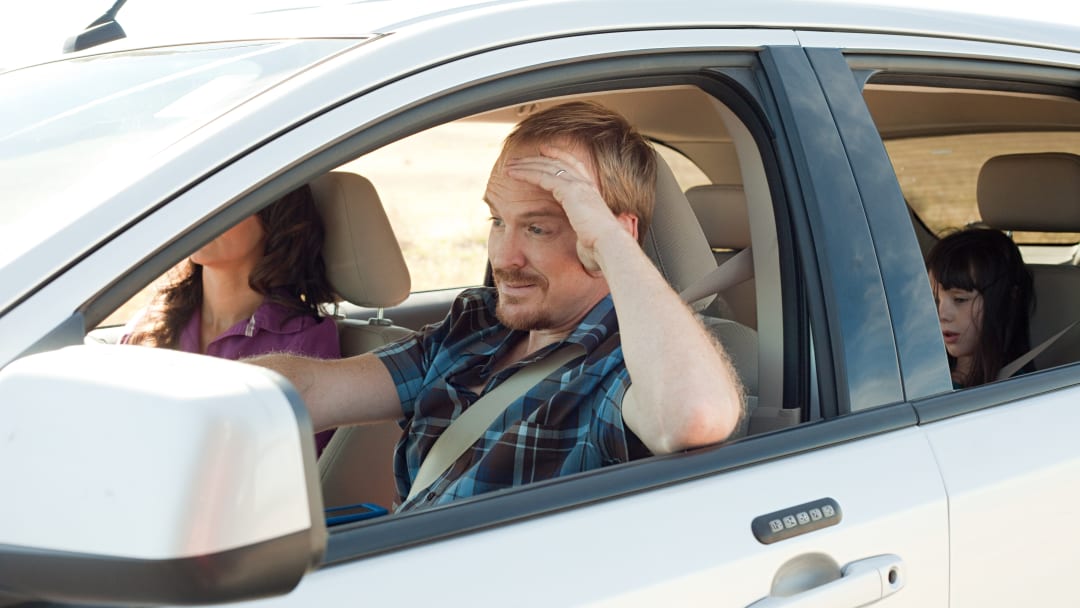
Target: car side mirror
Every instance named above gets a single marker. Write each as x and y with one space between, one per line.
141 475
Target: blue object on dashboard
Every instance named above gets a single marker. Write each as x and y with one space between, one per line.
349 513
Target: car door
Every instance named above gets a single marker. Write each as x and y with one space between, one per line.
681 529
844 509
1005 449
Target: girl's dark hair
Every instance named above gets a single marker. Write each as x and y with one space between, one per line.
291 272
987 261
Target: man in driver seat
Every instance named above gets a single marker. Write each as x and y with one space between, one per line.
571 196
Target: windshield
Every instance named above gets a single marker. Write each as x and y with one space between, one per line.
97 119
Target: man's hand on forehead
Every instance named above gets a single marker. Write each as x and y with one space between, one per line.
575 187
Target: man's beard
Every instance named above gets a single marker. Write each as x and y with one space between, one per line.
523 320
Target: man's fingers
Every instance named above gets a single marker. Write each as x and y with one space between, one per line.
541 167
564 157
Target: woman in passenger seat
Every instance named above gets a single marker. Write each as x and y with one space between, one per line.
984 296
255 289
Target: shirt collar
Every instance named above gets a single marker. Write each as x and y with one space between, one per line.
276 318
598 324
269 317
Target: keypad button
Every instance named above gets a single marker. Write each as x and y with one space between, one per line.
796 520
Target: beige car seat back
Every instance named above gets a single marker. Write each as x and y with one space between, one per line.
365 267
677 245
1040 193
721 211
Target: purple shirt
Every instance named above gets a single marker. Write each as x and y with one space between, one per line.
269 330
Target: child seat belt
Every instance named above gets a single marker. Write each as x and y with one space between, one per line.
1022 360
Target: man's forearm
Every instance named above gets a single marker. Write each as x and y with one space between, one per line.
685 391
357 390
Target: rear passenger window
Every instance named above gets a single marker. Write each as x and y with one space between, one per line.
1008 160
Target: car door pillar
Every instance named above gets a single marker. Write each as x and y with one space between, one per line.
915 325
832 234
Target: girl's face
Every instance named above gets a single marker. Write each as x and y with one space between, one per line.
960 315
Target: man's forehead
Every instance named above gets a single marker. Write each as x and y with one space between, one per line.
508 196
532 148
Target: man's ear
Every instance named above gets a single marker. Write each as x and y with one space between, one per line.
629 223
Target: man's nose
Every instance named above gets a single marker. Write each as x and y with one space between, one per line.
504 250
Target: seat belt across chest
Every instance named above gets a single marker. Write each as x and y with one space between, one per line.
467 428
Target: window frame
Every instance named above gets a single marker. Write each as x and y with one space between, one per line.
1001 68
372 537
748 88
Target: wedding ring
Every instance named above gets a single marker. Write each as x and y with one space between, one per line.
560 172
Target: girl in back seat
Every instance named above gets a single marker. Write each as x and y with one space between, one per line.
984 296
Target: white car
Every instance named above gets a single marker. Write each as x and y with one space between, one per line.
835 140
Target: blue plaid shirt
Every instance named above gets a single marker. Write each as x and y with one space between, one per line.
567 423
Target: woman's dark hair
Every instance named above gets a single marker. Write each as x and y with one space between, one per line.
291 271
987 261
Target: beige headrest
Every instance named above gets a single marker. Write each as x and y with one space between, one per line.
675 242
721 210
1035 192
363 259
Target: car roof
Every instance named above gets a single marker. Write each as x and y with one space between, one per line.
155 24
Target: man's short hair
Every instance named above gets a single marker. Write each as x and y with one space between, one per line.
622 158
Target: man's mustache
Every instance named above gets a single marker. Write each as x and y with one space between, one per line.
519 277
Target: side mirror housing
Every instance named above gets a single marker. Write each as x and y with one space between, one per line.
140 475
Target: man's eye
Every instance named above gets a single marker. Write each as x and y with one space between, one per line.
538 230
497 222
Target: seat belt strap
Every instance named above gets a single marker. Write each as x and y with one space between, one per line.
738 268
467 428
1022 360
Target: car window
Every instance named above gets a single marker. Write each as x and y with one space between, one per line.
440 221
430 181
942 141
431 185
441 216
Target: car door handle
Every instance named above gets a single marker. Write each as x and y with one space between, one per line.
861 583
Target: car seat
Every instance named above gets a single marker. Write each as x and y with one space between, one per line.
1040 193
365 267
721 211
677 246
